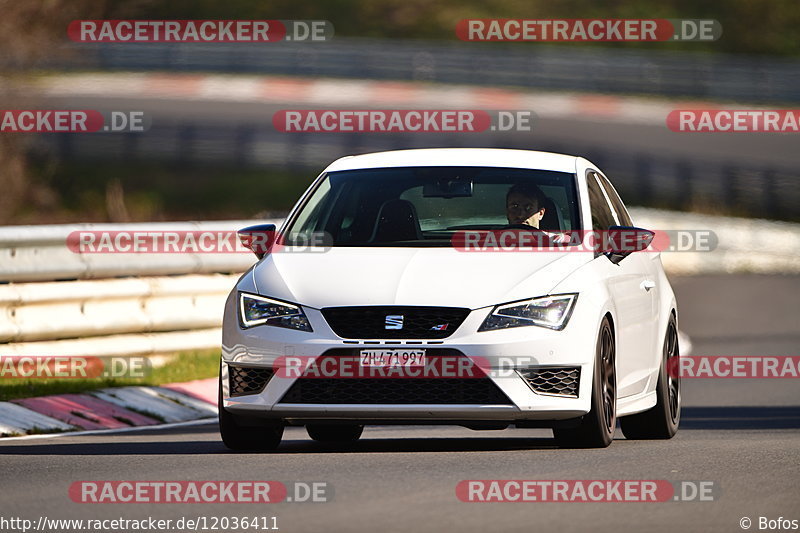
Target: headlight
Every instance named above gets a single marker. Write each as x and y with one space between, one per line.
256 310
548 311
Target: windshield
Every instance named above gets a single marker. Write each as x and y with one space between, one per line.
426 206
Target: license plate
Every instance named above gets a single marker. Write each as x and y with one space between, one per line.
392 357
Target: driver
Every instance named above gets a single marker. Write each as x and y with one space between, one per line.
525 205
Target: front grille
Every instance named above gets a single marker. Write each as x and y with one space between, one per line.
440 391
369 322
248 380
561 381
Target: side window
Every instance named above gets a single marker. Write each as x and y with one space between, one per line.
616 202
602 217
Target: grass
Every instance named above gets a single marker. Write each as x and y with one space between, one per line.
185 367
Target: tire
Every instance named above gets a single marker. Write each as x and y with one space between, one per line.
597 426
661 421
334 433
256 435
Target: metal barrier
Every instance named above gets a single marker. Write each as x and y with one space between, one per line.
71 309
135 303
40 253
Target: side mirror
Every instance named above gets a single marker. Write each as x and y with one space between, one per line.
258 239
624 240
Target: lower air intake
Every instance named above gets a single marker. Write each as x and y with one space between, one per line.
559 381
439 391
248 380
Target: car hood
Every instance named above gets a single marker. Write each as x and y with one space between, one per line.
411 276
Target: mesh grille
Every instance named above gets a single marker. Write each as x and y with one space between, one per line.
370 322
563 381
396 391
246 380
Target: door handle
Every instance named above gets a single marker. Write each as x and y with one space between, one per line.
647 284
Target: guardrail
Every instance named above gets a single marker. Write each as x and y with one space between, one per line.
58 302
59 310
40 253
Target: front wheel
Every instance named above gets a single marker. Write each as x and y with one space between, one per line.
240 435
597 426
661 421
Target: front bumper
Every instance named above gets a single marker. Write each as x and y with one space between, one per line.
525 347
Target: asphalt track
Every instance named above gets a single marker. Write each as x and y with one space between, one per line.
742 435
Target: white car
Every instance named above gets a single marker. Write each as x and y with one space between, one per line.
566 337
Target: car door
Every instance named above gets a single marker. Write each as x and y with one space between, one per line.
631 285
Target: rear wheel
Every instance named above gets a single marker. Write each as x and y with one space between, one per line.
660 422
334 433
241 434
597 427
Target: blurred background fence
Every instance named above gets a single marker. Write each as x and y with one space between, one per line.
643 178
540 66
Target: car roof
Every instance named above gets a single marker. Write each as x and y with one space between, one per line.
459 157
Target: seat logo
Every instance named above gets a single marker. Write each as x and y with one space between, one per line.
394 322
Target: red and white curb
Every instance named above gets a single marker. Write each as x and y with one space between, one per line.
162 403
17 420
118 408
360 93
